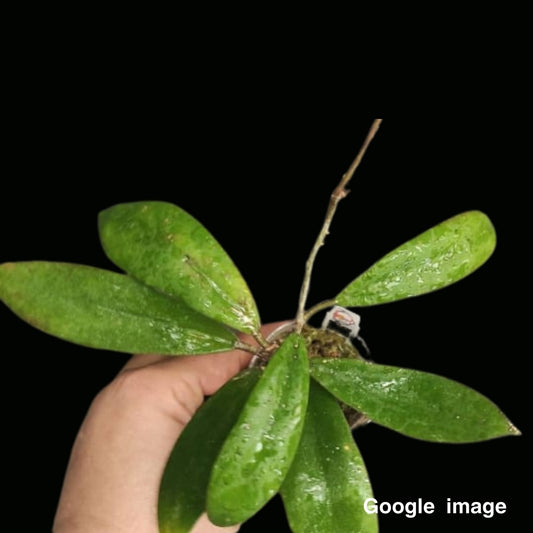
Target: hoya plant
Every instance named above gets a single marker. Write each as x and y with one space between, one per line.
283 425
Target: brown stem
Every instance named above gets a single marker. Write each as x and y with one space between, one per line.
338 194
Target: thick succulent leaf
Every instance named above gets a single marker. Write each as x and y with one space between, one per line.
438 257
417 404
166 248
327 483
182 495
103 309
259 450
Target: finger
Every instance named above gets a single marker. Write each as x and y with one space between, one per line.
205 526
177 386
210 372
142 360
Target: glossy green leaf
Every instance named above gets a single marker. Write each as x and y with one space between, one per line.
182 495
327 484
259 450
438 257
103 309
417 404
166 248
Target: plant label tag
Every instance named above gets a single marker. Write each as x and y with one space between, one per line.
343 318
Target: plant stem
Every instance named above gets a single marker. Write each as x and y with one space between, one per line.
338 194
247 347
260 339
318 307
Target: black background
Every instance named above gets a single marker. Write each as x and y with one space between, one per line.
258 176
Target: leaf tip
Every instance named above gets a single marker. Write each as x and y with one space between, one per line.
513 430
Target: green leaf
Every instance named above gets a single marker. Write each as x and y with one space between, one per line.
166 248
414 403
182 495
438 257
327 484
259 450
103 309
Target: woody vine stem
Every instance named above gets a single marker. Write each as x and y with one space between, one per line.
338 194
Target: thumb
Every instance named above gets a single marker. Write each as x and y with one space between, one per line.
205 526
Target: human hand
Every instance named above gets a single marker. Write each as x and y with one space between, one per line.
119 455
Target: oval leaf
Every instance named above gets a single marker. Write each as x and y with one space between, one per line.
103 309
166 248
414 403
182 495
258 452
438 257
327 484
